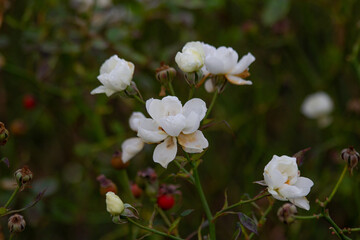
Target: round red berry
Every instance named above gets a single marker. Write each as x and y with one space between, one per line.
136 190
166 201
29 101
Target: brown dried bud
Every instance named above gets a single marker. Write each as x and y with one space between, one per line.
106 185
16 223
165 73
149 174
23 175
4 134
117 162
286 213
351 156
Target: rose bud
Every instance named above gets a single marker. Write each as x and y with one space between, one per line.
16 223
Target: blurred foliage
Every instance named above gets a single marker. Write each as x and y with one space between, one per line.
53 50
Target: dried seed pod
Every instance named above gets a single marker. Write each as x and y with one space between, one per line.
16 223
351 157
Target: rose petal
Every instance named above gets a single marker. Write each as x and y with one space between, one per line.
196 105
173 125
243 64
214 65
194 142
150 132
304 184
165 152
130 147
237 80
301 203
168 106
134 120
192 123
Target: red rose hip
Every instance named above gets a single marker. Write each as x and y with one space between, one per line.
29 101
166 201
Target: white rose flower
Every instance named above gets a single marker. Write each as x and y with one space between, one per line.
130 147
170 123
318 106
115 75
283 180
114 205
191 59
224 61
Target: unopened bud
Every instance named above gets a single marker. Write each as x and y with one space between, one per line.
117 161
351 156
4 134
16 223
106 185
287 213
23 175
165 73
114 205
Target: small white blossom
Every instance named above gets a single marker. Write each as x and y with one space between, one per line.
283 180
103 3
170 123
114 205
224 61
209 86
130 147
191 59
318 106
115 75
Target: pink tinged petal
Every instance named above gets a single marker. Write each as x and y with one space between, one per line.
301 203
214 65
172 125
134 120
237 80
195 105
130 148
304 184
150 132
165 152
243 64
194 142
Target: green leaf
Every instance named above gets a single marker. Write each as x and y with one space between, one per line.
225 200
274 11
198 155
186 212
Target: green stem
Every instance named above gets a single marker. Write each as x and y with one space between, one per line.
139 99
125 185
191 92
12 196
185 171
350 230
336 228
216 93
11 236
315 216
266 194
263 218
163 216
204 203
171 89
153 230
323 204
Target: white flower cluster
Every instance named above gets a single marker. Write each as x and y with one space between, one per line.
196 56
283 180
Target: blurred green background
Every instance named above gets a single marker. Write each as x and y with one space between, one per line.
52 50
